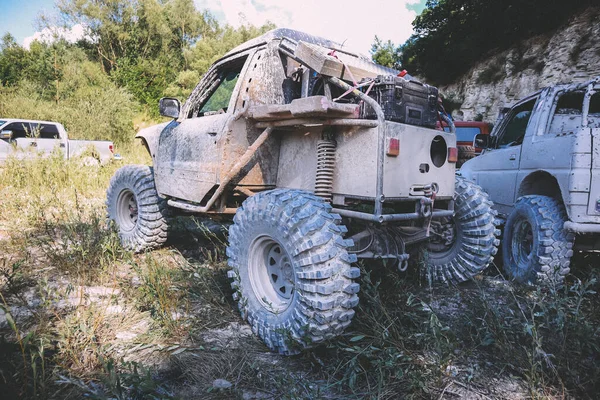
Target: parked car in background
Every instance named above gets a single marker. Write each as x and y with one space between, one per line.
27 139
541 168
465 134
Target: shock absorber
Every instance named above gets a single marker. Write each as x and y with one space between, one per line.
325 166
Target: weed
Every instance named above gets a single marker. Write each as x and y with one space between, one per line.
159 294
128 380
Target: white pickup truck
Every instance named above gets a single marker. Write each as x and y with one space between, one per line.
28 139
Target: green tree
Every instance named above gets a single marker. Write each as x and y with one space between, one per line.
386 53
452 35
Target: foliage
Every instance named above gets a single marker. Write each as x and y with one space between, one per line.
134 53
452 35
386 53
145 45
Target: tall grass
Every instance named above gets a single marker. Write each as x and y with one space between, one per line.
83 315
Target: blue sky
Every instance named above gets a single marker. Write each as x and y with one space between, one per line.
17 16
390 18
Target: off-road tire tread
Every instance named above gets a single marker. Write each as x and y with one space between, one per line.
325 283
473 210
552 262
153 213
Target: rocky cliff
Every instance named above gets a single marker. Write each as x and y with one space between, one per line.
569 54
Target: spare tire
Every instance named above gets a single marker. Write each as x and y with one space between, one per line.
464 245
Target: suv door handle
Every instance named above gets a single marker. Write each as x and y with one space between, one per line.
212 133
33 144
513 157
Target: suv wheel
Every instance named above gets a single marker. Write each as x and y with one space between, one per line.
133 204
463 246
291 270
535 245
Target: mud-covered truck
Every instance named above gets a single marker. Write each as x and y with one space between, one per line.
28 139
541 167
293 136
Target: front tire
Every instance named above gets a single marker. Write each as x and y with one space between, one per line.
138 212
291 269
535 246
463 246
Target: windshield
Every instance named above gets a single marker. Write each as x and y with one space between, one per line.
465 133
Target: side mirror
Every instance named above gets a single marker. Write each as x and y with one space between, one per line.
481 141
6 134
169 107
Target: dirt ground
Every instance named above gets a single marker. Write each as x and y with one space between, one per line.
82 317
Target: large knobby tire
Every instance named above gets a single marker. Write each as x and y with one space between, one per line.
464 245
138 212
291 270
535 246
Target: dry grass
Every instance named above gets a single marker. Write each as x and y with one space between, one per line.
83 316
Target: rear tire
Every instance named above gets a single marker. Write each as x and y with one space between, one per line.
291 269
133 204
474 237
535 247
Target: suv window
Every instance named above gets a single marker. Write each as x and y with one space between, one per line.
516 125
218 90
219 100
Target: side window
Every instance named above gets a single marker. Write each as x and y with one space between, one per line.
594 113
19 130
595 104
44 131
219 100
516 125
567 114
215 93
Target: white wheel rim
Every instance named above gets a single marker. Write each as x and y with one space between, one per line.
127 210
271 274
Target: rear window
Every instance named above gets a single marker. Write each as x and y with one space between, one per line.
465 133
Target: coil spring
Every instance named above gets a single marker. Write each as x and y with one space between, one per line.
325 167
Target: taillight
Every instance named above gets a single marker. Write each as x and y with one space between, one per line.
393 147
111 148
452 154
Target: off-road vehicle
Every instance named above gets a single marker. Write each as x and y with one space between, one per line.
273 136
541 167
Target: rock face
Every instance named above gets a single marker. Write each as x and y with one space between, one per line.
569 54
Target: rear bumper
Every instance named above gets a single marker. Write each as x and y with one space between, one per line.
581 228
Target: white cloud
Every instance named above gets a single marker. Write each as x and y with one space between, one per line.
49 35
351 21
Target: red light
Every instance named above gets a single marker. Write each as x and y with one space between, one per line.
111 148
452 154
394 147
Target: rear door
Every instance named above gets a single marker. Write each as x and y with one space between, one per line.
47 137
188 158
496 169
